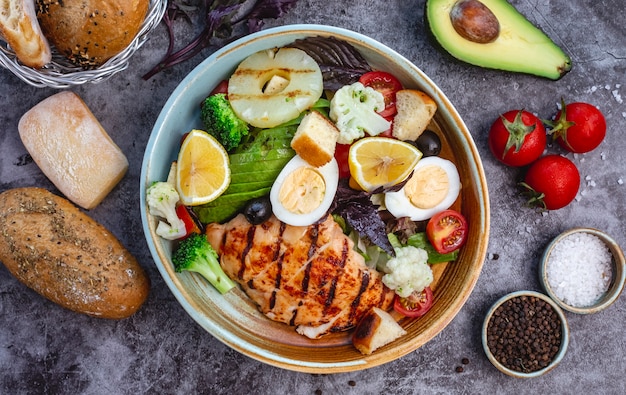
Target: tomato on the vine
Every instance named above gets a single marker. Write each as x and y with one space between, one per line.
578 127
385 83
551 182
415 305
447 231
517 138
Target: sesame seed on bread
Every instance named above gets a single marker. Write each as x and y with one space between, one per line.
89 32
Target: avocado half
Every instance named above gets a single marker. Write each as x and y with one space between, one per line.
520 46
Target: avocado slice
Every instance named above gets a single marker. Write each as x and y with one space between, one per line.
519 46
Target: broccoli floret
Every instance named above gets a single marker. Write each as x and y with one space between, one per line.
221 122
408 271
354 110
195 254
161 198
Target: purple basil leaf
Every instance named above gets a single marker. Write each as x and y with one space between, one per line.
361 215
341 64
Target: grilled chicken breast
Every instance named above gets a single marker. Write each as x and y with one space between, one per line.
309 277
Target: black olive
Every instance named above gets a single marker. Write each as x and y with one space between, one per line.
428 143
258 210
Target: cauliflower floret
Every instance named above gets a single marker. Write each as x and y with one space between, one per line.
354 110
161 198
408 271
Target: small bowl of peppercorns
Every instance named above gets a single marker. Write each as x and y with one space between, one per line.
525 334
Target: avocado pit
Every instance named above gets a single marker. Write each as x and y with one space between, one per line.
474 21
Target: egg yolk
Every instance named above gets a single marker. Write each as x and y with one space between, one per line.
302 191
428 186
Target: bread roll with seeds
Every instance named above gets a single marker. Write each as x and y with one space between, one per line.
61 253
89 32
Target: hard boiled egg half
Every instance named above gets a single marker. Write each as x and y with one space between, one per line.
302 194
434 187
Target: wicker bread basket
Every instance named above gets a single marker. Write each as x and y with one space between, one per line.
60 73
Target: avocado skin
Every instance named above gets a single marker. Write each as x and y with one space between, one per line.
540 55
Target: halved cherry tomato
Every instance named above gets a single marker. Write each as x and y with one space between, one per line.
222 87
386 84
190 225
341 155
415 305
183 137
447 231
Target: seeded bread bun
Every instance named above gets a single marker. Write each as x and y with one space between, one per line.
415 110
315 139
20 29
89 32
64 255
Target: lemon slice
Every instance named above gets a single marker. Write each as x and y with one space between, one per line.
381 162
203 171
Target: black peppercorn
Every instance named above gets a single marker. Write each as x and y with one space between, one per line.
524 334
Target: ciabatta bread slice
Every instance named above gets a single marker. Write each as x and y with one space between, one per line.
415 111
20 29
315 139
72 148
376 329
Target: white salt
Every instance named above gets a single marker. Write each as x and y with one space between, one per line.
579 269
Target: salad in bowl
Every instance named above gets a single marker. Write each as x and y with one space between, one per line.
308 189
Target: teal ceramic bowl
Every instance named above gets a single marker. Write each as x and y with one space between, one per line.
559 354
615 283
232 318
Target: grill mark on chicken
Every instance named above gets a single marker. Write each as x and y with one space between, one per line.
308 277
365 280
278 258
335 280
246 250
312 250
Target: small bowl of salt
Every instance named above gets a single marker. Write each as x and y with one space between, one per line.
582 270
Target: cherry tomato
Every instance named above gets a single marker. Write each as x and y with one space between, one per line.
517 138
578 127
341 155
190 225
416 305
222 87
386 84
183 137
551 182
386 133
447 231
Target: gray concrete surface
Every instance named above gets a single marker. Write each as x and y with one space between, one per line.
46 349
